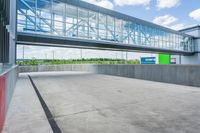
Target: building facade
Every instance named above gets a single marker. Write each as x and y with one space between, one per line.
195 59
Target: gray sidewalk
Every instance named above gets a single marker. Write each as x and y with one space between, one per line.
25 114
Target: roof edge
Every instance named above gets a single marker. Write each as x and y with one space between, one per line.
189 28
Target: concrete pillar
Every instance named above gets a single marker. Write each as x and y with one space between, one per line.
12 27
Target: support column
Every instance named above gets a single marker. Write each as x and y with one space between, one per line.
12 29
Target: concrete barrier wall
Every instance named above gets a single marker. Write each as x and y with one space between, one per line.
7 84
11 79
176 74
45 68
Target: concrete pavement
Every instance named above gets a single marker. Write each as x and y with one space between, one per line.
89 103
25 114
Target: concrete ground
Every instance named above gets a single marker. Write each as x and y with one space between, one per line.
90 103
25 114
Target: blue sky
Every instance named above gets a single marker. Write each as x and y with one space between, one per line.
175 14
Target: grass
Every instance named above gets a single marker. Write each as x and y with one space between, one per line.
77 61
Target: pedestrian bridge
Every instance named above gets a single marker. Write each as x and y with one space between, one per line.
66 23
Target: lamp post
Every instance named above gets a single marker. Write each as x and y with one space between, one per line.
81 55
126 57
53 52
23 54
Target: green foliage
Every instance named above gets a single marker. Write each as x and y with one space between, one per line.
29 62
77 61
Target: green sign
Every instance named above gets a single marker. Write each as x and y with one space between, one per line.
163 58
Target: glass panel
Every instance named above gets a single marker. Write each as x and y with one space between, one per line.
102 27
31 4
71 14
102 21
58 10
93 25
71 21
125 32
110 26
93 19
83 16
58 14
43 26
110 23
44 8
83 22
118 30
83 31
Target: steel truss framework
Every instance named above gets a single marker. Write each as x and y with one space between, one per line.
64 19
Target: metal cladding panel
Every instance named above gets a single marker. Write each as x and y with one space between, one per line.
2 101
4 34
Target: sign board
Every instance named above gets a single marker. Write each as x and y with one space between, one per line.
148 60
173 61
163 58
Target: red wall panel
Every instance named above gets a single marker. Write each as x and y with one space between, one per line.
2 101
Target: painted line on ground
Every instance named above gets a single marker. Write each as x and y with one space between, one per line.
48 113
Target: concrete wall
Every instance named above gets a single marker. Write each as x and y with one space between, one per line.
44 68
11 79
177 74
7 84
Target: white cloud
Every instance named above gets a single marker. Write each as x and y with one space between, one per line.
132 2
165 20
195 14
167 3
147 8
103 3
178 26
169 22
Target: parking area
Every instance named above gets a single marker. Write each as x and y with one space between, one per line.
82 102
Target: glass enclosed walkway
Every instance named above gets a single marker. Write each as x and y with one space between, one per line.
80 20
